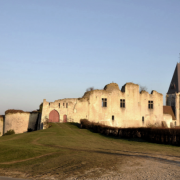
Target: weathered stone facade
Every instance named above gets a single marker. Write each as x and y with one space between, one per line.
1 125
173 100
111 106
20 122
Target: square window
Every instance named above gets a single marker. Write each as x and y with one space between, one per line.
104 102
122 103
150 104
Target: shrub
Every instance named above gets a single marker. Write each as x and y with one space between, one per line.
46 123
10 132
30 129
85 124
152 134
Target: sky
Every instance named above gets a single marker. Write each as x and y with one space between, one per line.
55 49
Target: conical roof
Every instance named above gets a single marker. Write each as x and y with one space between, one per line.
174 86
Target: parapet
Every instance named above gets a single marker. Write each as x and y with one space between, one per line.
14 111
129 85
155 92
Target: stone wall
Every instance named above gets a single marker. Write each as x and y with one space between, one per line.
135 114
1 124
173 100
136 107
20 122
60 107
168 120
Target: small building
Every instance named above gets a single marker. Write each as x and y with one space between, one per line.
173 95
20 121
169 115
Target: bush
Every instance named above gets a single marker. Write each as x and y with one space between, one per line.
46 123
85 124
153 134
30 130
10 132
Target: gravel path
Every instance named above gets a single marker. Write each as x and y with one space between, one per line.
130 168
142 169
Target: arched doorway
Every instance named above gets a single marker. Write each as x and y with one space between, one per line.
53 116
64 118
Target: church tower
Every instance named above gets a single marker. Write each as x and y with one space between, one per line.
173 94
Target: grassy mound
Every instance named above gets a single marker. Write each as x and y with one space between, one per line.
66 150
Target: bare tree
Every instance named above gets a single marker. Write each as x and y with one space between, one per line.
89 89
142 88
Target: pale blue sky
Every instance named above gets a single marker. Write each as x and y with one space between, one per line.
54 49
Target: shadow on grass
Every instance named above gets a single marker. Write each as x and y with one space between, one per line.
74 124
123 154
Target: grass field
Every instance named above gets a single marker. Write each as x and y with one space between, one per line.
65 150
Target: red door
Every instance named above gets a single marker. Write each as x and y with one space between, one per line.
54 116
65 118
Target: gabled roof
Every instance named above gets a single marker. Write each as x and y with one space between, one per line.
174 86
168 110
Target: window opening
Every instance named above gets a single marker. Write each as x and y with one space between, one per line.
150 104
113 118
122 103
49 104
66 105
104 102
59 105
143 120
63 104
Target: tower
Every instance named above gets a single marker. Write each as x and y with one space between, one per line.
173 94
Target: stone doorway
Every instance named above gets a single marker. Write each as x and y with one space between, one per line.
64 118
53 116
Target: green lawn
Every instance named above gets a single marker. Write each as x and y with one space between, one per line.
66 150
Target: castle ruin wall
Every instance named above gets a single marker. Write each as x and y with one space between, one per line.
1 125
136 112
20 122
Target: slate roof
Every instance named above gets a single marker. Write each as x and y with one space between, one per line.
174 86
168 110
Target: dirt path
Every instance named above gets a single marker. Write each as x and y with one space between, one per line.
141 168
172 159
12 162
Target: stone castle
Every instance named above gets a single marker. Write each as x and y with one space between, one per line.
125 107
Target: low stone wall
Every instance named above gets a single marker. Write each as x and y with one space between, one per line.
20 121
168 119
1 124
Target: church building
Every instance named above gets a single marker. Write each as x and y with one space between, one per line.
173 95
